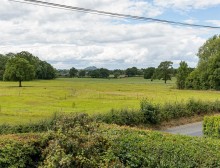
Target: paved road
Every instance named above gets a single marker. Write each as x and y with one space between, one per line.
194 129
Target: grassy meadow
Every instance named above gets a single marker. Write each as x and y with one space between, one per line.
40 99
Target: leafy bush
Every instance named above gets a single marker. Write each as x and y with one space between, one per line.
199 107
21 150
140 148
173 111
211 126
41 126
122 117
76 142
151 112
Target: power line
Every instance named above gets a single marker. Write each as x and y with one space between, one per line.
111 14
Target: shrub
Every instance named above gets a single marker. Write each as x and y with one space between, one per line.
211 126
41 126
151 112
140 148
199 107
21 150
172 111
78 143
122 117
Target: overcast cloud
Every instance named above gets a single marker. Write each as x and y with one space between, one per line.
71 39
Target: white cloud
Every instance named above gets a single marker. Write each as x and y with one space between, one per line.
186 4
67 39
214 22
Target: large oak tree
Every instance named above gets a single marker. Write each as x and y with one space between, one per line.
19 69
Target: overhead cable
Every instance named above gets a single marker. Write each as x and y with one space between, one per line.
111 14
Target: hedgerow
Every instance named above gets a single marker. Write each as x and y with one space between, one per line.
78 141
140 148
211 126
151 113
22 150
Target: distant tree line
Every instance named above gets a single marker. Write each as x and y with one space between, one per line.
24 66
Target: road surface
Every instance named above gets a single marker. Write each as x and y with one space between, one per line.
194 129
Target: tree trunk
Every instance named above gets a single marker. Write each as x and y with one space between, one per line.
20 83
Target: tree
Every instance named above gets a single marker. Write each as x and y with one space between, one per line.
73 72
82 73
131 71
19 69
148 73
3 61
164 71
182 74
104 73
118 72
94 73
207 73
45 71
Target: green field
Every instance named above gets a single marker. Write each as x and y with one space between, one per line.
40 99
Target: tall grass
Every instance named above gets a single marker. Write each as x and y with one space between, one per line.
39 99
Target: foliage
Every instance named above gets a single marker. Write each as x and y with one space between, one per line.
122 117
130 72
42 69
118 72
164 71
148 73
82 73
63 72
211 126
206 75
3 61
104 73
73 72
45 71
151 112
99 73
78 143
182 74
18 69
140 148
21 150
40 126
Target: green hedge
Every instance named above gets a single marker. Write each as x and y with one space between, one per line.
211 126
151 113
77 141
40 126
139 148
20 151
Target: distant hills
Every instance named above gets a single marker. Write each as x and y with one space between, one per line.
90 68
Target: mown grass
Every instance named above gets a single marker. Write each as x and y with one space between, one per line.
40 99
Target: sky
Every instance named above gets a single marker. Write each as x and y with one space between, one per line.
72 39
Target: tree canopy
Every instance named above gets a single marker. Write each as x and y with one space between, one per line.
148 73
42 69
19 69
207 73
164 71
130 72
73 72
182 74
